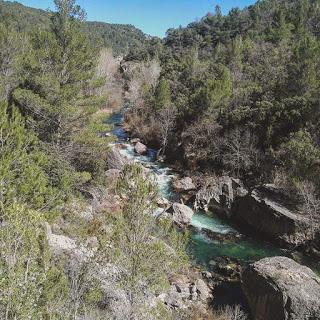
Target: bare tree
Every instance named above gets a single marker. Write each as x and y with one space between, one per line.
142 76
311 205
12 46
202 139
166 118
240 151
230 313
151 72
108 69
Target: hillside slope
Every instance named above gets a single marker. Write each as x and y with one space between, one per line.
120 37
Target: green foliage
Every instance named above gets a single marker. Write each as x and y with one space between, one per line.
90 155
256 70
12 47
120 37
29 285
301 156
162 94
58 95
22 172
50 145
214 95
20 272
144 251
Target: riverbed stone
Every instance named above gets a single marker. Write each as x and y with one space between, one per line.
182 214
140 148
279 288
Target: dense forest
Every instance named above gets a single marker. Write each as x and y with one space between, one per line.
105 162
119 37
57 259
239 93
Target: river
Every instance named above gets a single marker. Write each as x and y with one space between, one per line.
202 250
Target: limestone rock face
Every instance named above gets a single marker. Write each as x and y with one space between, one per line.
140 148
268 212
219 193
278 288
184 185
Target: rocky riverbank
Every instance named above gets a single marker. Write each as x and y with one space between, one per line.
227 197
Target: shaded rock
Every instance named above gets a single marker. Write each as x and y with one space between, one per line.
115 160
218 193
140 148
279 288
172 299
228 268
185 291
270 213
183 185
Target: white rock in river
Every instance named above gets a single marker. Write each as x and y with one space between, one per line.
140 148
182 214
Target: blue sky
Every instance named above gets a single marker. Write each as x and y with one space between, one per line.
153 17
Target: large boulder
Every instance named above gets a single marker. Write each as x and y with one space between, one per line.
115 160
179 213
140 148
182 214
270 212
183 185
218 193
278 288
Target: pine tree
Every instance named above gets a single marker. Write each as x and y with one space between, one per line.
59 91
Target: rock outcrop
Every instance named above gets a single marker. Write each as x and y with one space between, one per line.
218 193
270 212
61 245
278 288
183 292
140 148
